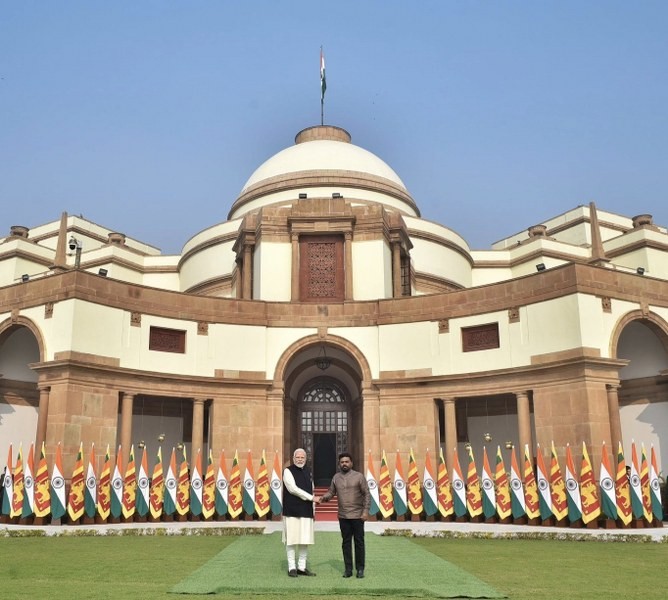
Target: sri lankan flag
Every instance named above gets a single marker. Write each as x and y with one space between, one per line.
414 489
644 485
156 496
591 505
129 504
262 488
196 486
557 488
517 500
222 484
143 486
117 486
458 487
573 488
607 484
75 501
19 489
655 488
248 500
42 488
430 494
58 505
443 487
473 495
622 489
372 484
29 485
385 489
503 503
234 498
636 488
90 493
532 503
276 484
169 505
8 486
488 494
104 492
209 490
183 487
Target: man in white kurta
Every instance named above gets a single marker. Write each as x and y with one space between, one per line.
298 502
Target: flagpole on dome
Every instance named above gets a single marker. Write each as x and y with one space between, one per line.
323 87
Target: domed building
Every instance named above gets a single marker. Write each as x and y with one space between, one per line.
326 313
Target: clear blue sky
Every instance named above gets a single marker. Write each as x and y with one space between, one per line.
148 116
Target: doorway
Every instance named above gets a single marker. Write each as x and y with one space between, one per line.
324 458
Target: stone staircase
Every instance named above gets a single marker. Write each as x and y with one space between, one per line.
327 511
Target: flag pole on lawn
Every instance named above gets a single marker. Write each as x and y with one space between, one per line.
323 87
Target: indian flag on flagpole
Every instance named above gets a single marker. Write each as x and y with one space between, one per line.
143 486
29 485
503 502
156 495
622 489
249 487
399 495
8 486
385 492
75 500
443 487
591 505
235 498
209 491
104 492
58 506
222 482
458 487
42 488
636 489
262 488
573 488
372 484
517 501
473 494
488 495
607 485
90 493
531 500
414 489
18 491
544 496
276 485
117 486
430 496
196 483
323 79
557 488
655 488
169 503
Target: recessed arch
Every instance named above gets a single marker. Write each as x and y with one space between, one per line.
651 320
9 326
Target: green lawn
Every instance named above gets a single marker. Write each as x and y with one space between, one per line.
147 567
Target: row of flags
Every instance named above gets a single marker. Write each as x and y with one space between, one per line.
176 488
532 493
180 488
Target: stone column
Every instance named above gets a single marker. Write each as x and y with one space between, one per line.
126 426
42 418
348 257
449 414
295 267
247 272
524 421
198 427
396 269
615 420
371 421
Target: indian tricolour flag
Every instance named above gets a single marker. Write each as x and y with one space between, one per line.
169 504
323 79
655 488
517 501
458 487
573 489
414 489
544 496
443 487
276 485
607 484
430 496
488 495
117 486
8 486
636 489
29 484
249 486
143 486
399 495
221 486
372 484
502 486
58 505
196 483
90 493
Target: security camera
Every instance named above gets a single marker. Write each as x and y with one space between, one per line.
72 244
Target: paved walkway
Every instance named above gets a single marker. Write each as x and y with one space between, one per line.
418 528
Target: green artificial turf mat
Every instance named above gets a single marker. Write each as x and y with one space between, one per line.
395 567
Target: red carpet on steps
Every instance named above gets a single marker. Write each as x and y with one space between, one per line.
328 510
